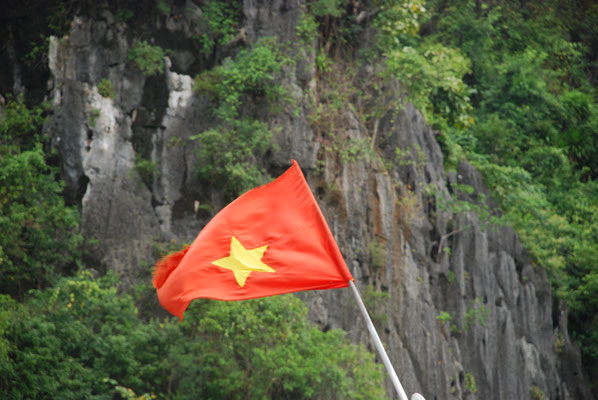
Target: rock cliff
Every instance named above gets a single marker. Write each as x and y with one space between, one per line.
460 308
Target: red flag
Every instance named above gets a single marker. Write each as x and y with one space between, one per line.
271 240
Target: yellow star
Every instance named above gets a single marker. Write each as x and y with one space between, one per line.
242 261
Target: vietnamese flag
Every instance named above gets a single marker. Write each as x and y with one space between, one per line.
271 240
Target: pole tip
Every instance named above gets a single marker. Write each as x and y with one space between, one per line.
417 396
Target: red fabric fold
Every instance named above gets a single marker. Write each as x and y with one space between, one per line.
283 215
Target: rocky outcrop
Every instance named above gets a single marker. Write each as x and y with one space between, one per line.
461 310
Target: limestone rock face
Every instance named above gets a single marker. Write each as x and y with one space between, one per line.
466 315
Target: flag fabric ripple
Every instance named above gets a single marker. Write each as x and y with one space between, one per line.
271 240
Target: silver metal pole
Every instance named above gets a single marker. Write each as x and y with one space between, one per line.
378 343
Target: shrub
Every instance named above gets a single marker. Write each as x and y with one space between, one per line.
229 154
377 250
81 339
123 14
105 88
221 20
470 383
146 169
19 126
149 59
40 236
230 157
163 7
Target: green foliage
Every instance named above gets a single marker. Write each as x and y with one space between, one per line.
444 317
146 169
558 341
123 14
81 339
334 23
149 59
251 73
410 208
470 383
330 8
509 88
270 338
477 313
414 156
63 341
38 52
19 126
433 78
353 150
39 236
431 73
375 301
536 393
323 63
163 7
534 132
105 88
221 20
39 233
463 200
377 252
396 22
558 226
447 321
58 20
94 114
307 28
60 16
338 89
229 154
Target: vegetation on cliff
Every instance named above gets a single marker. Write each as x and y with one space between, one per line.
529 69
71 334
509 85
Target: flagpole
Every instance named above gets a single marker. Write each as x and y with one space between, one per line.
378 343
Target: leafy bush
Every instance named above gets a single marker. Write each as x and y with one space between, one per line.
396 22
431 72
535 134
149 59
66 341
81 339
271 338
377 252
470 385
146 169
123 14
39 232
19 126
307 28
105 88
331 8
433 78
229 154
251 73
163 7
221 19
